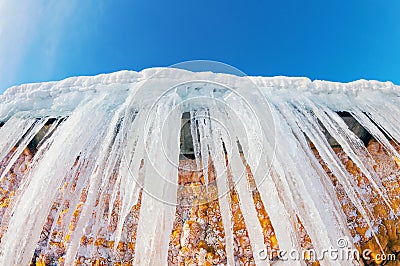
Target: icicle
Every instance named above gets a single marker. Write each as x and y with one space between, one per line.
340 221
385 114
104 165
23 143
334 164
218 160
195 137
375 132
274 190
12 132
130 182
351 145
224 201
27 221
238 172
160 187
204 129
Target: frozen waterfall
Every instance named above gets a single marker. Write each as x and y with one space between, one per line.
115 140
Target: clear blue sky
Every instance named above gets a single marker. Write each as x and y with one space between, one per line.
332 40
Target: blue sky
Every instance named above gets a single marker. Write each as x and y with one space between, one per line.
331 40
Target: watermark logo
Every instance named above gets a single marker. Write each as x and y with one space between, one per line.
223 122
343 252
342 242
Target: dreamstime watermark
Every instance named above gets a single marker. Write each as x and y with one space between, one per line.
222 122
343 252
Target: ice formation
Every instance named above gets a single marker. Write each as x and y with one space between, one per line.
116 138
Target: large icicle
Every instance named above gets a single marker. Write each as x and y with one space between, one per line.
350 144
102 170
375 132
12 132
25 225
160 184
258 149
23 143
218 159
238 172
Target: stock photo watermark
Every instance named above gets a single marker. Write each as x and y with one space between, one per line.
343 252
221 120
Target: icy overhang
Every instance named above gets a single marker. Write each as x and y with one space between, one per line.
59 97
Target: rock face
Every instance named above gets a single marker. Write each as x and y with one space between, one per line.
198 236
